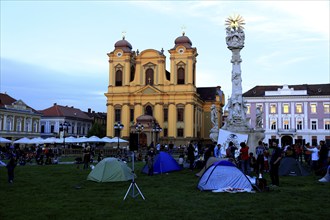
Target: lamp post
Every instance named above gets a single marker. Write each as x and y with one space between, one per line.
139 128
156 129
118 126
64 127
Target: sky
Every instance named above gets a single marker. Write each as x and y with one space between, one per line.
56 51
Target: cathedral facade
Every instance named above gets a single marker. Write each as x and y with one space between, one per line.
141 90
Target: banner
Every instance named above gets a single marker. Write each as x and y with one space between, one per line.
227 136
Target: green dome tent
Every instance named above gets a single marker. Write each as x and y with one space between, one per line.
110 170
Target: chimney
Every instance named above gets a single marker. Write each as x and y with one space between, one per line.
55 103
89 110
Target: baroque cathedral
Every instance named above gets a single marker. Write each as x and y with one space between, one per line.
141 90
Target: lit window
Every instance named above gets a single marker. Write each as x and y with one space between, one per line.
272 109
298 108
314 125
286 125
285 108
273 125
248 109
299 125
313 108
326 108
327 125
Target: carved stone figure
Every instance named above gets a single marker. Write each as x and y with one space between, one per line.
258 117
214 115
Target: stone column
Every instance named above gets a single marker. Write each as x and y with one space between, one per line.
189 120
172 119
110 120
125 116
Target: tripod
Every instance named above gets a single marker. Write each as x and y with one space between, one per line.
133 184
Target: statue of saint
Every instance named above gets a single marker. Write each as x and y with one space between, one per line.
214 115
258 117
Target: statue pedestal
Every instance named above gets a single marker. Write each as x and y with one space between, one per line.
214 134
254 136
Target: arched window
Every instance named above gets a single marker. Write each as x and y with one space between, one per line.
149 76
132 73
119 78
148 110
180 75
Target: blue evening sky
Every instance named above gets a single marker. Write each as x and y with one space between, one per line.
56 51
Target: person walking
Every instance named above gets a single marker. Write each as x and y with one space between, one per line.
150 162
275 161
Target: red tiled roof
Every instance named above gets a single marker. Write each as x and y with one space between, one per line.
6 100
64 111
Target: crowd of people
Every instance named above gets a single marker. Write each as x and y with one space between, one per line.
265 159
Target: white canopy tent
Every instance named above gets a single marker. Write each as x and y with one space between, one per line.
4 141
23 140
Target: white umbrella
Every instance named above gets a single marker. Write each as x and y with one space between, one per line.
50 140
107 140
94 139
4 140
71 139
115 140
82 139
37 140
23 140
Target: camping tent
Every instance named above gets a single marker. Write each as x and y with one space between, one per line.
290 167
163 163
326 178
224 176
209 162
110 170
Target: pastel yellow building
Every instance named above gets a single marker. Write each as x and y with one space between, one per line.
142 90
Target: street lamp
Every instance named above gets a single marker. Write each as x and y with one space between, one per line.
64 127
139 128
156 129
118 126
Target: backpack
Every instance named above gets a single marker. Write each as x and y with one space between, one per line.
261 185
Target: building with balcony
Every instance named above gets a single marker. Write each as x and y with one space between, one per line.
292 113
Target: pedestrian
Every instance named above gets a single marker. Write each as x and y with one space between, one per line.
244 155
11 167
217 149
191 156
260 163
86 157
150 162
315 157
275 161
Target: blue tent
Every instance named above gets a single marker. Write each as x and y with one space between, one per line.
163 163
223 176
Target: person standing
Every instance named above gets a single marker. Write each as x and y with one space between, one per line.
86 157
150 162
260 151
11 166
191 156
315 157
244 153
216 152
323 160
275 161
